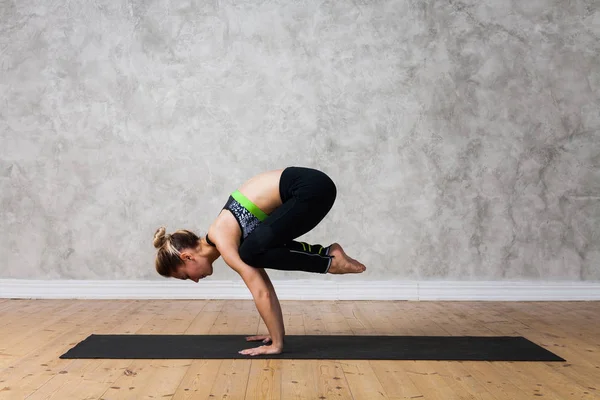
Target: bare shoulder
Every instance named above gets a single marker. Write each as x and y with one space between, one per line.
225 229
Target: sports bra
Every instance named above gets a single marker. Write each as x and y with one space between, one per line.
247 214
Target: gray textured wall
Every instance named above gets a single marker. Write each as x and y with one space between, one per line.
464 136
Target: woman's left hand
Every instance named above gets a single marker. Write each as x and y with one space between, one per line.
262 350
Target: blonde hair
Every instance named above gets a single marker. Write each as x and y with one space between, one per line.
170 247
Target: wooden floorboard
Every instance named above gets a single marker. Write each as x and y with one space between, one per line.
35 333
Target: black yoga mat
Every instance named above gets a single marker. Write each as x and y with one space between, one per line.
316 347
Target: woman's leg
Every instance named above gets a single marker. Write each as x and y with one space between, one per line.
307 196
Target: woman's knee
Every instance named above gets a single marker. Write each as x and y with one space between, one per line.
328 191
332 190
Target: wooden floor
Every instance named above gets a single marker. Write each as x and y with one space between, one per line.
34 333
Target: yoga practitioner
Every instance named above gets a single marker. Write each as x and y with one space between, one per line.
256 230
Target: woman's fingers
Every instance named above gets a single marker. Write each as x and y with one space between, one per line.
264 338
261 350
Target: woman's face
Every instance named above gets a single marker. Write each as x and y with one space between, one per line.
194 267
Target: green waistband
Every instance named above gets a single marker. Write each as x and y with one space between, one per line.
248 205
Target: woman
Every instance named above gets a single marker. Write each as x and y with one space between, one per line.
255 230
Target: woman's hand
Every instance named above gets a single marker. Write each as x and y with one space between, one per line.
262 350
264 338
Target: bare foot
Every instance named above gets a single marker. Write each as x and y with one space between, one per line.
341 263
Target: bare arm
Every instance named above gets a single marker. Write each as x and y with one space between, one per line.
262 291
273 294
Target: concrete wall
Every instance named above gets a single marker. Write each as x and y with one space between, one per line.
464 137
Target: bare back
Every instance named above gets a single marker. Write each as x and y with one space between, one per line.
262 190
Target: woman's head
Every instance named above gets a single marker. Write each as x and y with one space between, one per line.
179 255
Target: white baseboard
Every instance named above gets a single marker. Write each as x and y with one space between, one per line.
304 290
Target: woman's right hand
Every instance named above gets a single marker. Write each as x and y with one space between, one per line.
264 338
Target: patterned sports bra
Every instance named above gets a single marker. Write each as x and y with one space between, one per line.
247 214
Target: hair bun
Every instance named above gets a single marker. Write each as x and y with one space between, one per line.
160 237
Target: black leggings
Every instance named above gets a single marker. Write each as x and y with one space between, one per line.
307 195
